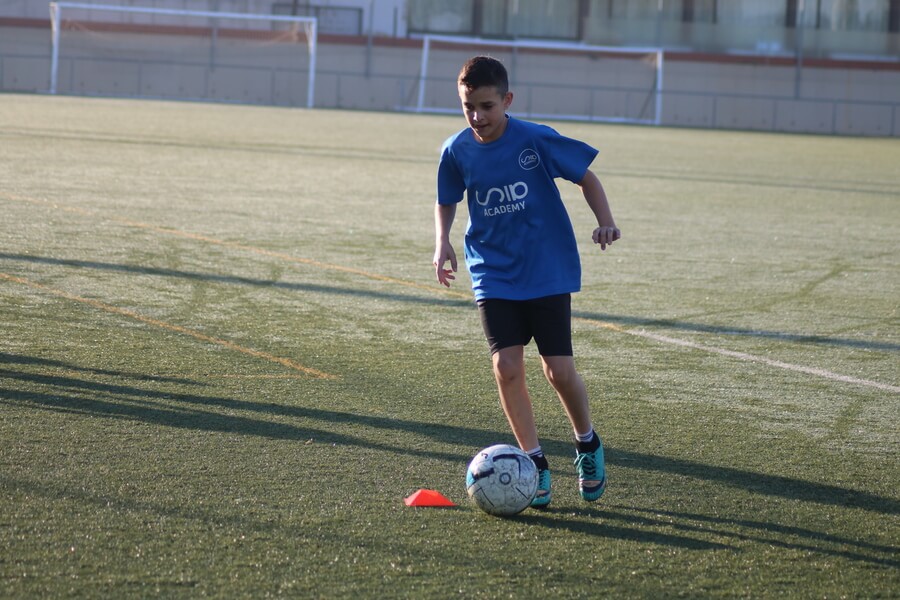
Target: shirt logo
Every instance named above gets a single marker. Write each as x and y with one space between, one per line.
502 200
513 193
529 159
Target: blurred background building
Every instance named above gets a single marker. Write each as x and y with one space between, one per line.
821 66
818 28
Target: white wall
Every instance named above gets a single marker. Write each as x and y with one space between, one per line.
388 17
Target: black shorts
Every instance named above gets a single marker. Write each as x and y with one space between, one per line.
515 322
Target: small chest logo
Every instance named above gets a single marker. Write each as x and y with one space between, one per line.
529 159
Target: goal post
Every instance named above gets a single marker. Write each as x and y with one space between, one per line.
559 80
132 39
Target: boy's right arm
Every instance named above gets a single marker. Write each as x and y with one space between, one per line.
606 232
443 250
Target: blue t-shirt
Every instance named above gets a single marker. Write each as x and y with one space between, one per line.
519 241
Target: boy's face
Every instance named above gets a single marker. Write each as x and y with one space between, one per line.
485 111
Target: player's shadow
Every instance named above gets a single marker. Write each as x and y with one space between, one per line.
66 392
704 532
770 485
765 532
592 524
597 524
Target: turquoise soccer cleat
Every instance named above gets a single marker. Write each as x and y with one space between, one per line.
542 497
591 474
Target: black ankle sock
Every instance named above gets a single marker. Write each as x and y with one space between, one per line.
541 462
589 446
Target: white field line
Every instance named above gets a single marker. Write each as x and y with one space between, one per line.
766 361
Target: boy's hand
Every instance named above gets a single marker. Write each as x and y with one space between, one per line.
605 236
442 254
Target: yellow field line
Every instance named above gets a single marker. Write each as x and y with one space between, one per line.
289 257
602 324
198 375
176 328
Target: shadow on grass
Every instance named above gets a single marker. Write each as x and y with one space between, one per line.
644 524
769 485
248 281
596 524
69 394
65 393
720 525
436 300
6 358
125 402
687 531
209 513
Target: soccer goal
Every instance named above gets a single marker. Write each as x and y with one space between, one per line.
551 80
128 51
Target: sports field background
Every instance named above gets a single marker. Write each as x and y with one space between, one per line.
224 362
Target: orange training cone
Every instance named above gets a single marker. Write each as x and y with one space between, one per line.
427 498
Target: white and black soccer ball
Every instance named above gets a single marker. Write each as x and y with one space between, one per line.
502 480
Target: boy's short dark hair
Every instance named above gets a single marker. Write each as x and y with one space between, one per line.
482 71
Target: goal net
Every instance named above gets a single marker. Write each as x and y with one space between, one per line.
127 51
550 80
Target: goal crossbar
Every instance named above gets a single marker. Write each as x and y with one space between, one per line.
540 45
56 15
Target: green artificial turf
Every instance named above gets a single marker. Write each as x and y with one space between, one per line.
224 363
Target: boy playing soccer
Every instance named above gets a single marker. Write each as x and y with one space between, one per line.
521 254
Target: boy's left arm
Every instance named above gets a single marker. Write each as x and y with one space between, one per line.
606 232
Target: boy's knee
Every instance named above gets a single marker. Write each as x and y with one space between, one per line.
508 368
558 379
560 376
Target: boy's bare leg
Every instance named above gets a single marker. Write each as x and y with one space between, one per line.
569 386
509 371
560 372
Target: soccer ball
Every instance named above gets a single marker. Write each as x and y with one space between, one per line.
502 480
